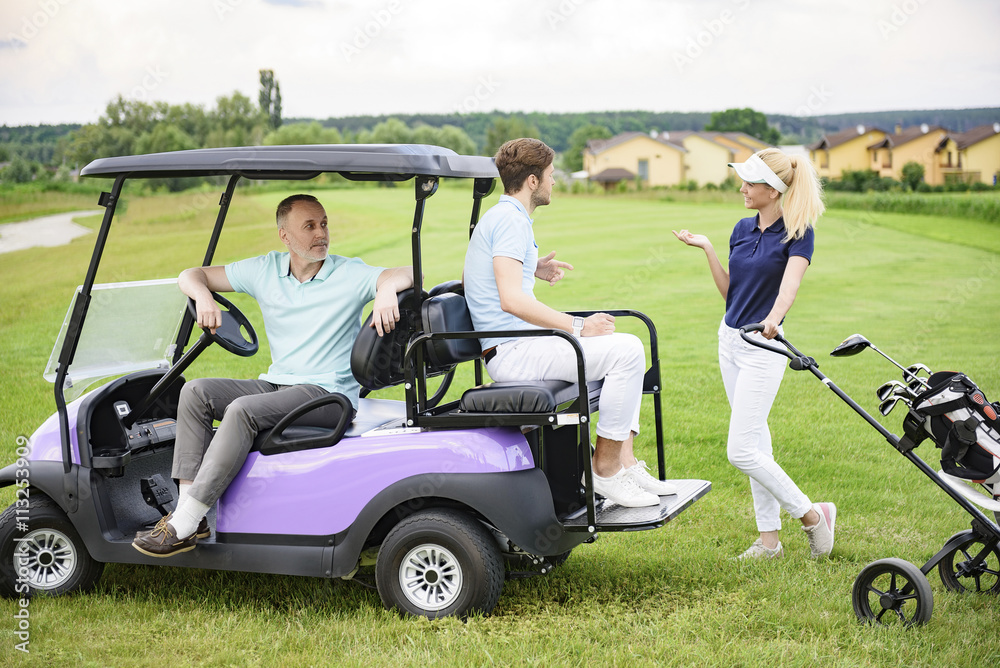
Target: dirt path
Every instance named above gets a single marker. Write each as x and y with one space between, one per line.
53 230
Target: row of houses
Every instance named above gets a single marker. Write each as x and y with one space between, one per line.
675 158
972 156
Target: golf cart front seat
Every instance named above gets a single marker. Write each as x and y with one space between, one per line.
376 362
449 313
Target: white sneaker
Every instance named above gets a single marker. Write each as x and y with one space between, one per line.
758 551
821 534
624 490
640 473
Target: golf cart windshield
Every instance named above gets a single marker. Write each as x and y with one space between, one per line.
129 327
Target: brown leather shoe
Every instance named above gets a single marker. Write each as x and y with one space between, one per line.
201 533
162 541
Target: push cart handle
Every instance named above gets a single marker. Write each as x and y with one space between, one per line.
799 361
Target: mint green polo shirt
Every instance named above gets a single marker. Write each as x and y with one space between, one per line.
311 326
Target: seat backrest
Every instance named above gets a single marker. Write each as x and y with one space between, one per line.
448 312
377 361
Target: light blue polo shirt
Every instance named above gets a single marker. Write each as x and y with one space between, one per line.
503 231
311 326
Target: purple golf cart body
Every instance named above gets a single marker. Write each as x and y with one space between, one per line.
442 500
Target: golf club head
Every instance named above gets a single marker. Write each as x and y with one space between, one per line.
886 406
852 345
915 369
917 385
888 389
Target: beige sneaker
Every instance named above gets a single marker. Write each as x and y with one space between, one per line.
758 551
821 534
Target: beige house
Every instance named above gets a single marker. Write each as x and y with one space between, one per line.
978 154
845 150
635 155
919 143
668 158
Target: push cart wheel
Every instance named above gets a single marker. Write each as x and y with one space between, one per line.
41 552
962 571
892 591
439 563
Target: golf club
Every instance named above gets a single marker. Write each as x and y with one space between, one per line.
855 343
888 389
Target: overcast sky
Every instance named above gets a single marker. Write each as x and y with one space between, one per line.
63 60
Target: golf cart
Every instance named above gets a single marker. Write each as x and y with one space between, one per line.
444 498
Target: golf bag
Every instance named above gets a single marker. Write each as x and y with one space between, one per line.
954 412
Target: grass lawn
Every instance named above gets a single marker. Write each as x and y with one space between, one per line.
922 289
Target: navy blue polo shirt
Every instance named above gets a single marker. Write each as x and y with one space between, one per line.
757 263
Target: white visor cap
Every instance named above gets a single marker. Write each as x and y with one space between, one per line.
755 170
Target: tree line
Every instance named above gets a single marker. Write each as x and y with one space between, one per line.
133 126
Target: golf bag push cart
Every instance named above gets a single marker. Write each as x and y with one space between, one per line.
948 409
436 501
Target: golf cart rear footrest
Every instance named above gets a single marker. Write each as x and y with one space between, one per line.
612 517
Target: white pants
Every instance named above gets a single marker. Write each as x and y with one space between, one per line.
752 377
619 359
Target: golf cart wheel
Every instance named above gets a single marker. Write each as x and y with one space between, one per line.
892 591
439 563
41 552
959 574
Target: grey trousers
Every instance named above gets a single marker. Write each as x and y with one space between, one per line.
212 459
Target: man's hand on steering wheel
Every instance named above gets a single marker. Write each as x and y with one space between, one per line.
208 313
229 325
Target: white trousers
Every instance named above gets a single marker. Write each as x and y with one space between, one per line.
752 377
619 359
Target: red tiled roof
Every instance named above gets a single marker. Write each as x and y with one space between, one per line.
976 135
842 137
893 139
599 145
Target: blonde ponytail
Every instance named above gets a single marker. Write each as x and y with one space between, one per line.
803 201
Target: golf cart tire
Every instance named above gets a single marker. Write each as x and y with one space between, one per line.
439 563
57 559
892 591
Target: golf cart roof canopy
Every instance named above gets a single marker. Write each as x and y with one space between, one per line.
362 162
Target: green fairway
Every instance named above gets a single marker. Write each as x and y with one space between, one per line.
923 289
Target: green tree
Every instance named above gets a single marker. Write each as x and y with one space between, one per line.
18 171
235 122
573 158
504 129
912 174
751 122
269 98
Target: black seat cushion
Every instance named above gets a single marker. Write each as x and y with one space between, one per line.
377 361
541 396
448 312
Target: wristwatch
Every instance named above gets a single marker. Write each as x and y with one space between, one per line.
577 326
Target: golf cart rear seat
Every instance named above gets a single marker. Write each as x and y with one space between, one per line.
448 313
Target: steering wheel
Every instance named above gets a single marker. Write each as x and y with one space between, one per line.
229 334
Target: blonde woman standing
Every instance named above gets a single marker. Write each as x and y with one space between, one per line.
768 256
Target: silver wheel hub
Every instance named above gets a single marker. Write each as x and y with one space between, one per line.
44 558
430 577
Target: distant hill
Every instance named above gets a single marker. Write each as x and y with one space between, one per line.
555 129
